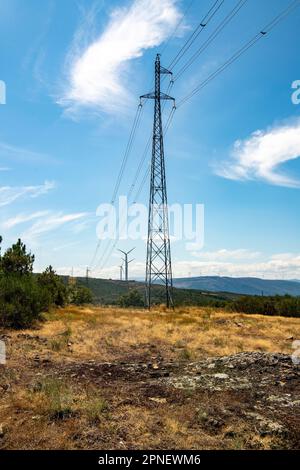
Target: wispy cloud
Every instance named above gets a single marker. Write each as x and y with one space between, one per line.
23 218
50 222
13 152
97 75
262 154
9 194
224 255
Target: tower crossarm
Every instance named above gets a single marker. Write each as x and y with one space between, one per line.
162 96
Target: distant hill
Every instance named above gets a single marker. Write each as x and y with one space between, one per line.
239 285
108 291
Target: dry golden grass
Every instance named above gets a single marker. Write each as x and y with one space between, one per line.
44 407
186 333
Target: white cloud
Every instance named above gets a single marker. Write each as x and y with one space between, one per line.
19 153
22 218
222 255
277 266
98 74
269 269
261 155
50 222
9 194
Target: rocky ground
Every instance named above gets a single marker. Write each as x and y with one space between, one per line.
148 397
247 400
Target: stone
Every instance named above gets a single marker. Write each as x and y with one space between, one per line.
271 428
158 400
221 376
2 431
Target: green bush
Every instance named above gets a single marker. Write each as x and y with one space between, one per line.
79 295
16 260
21 300
285 306
54 285
23 295
132 299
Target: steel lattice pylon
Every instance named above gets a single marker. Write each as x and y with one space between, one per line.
158 264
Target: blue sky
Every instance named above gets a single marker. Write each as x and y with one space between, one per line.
74 71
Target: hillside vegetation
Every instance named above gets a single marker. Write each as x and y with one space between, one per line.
108 292
112 292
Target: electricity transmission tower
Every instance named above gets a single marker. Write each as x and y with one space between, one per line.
87 273
125 259
158 264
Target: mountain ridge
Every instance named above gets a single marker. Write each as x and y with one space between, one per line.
239 285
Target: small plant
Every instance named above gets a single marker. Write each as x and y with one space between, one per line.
179 344
94 409
59 398
219 342
185 354
61 341
206 315
55 345
202 416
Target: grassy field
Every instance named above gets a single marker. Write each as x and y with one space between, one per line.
78 380
191 331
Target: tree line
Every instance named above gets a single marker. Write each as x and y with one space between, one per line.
24 296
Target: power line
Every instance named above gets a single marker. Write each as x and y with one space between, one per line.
267 29
167 125
214 34
209 15
127 151
106 255
147 147
220 69
201 25
138 171
126 155
177 26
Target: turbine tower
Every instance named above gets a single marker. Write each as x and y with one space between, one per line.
126 262
158 264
